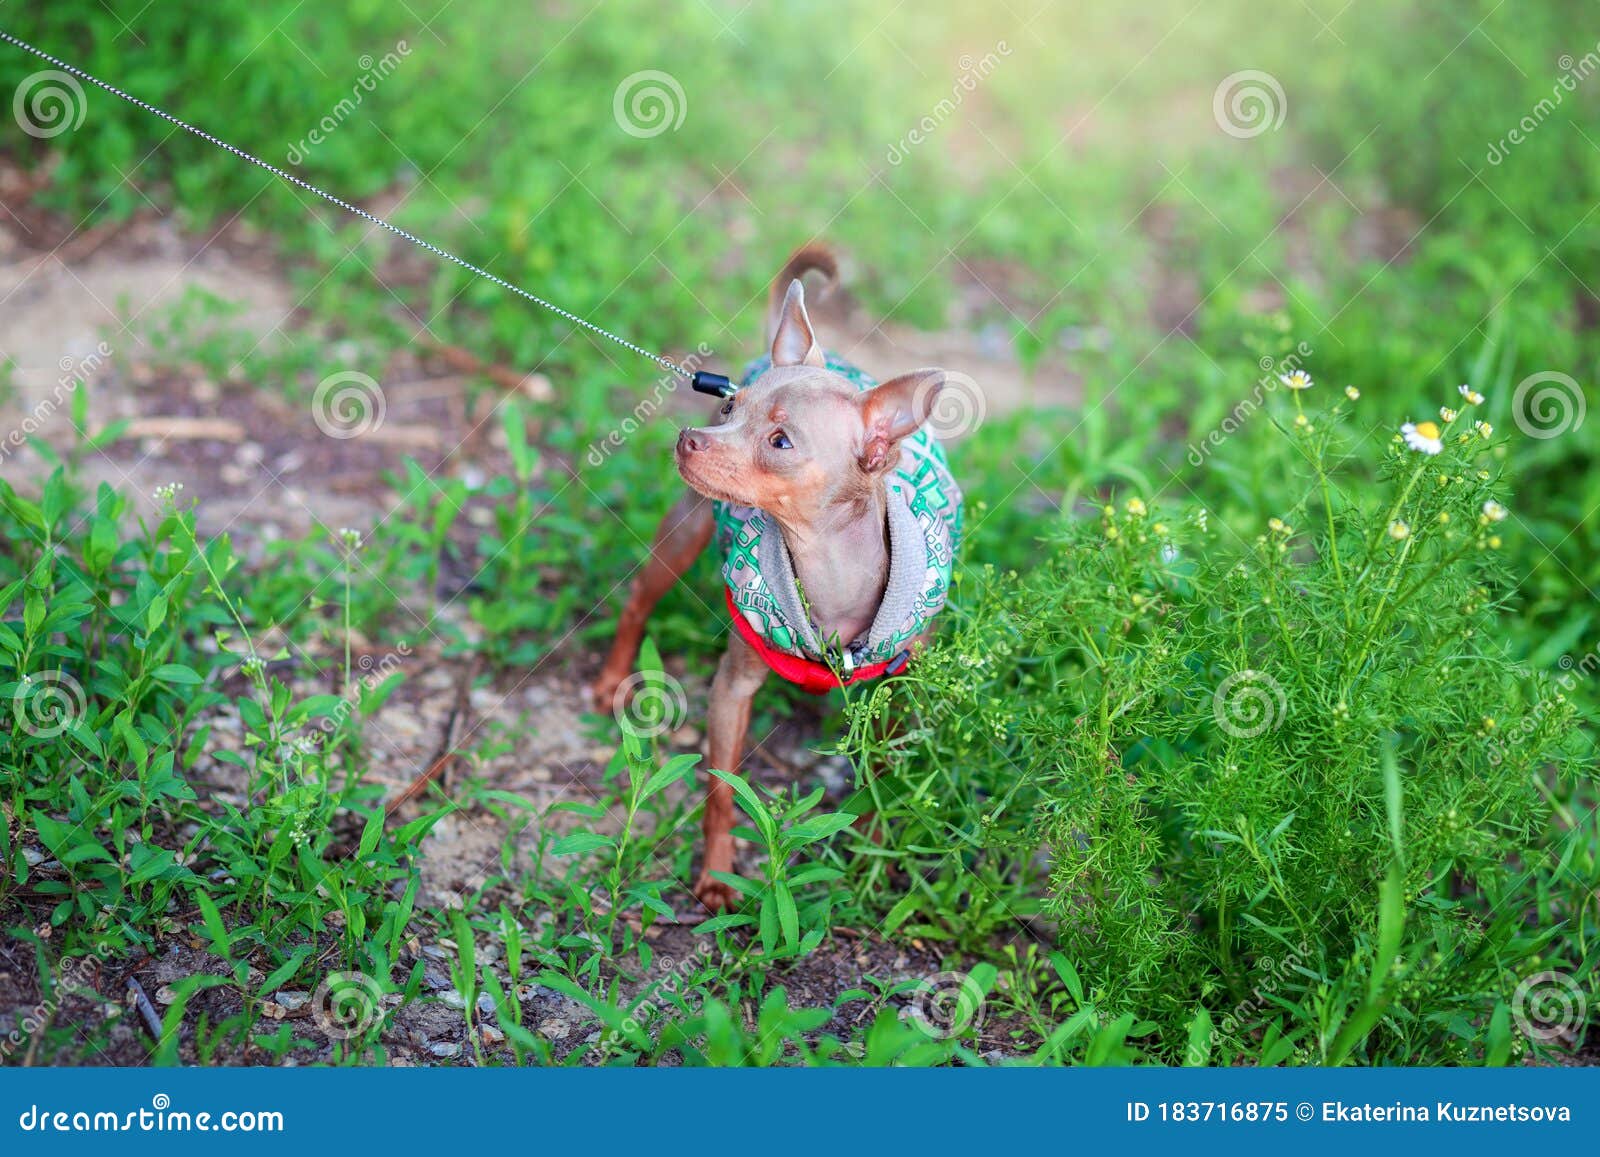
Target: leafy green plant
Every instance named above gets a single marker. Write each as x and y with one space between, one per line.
792 901
1202 718
112 700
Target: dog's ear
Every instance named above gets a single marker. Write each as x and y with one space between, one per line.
893 410
794 343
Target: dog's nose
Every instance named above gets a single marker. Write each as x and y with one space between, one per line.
691 441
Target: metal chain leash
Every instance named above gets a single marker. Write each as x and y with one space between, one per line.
703 381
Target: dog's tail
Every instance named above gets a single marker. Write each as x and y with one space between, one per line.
812 257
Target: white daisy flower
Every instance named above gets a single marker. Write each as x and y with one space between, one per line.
1494 512
1297 380
1472 396
1446 414
1422 436
1352 393
1485 430
1399 529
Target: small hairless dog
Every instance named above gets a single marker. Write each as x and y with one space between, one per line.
838 520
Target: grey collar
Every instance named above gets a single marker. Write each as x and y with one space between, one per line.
909 566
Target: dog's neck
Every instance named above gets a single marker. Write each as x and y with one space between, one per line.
841 559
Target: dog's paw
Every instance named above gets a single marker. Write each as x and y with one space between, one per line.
714 894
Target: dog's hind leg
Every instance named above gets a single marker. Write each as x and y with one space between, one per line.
680 538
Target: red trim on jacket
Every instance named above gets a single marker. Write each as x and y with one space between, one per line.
807 674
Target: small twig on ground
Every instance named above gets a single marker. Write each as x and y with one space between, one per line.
454 725
535 386
185 429
82 246
75 249
147 1011
408 437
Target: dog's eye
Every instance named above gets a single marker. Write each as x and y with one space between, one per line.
727 407
780 441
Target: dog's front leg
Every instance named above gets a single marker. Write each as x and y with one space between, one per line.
739 675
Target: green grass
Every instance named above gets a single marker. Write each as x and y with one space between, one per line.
1062 819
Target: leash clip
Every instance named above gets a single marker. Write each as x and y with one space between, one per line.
717 385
